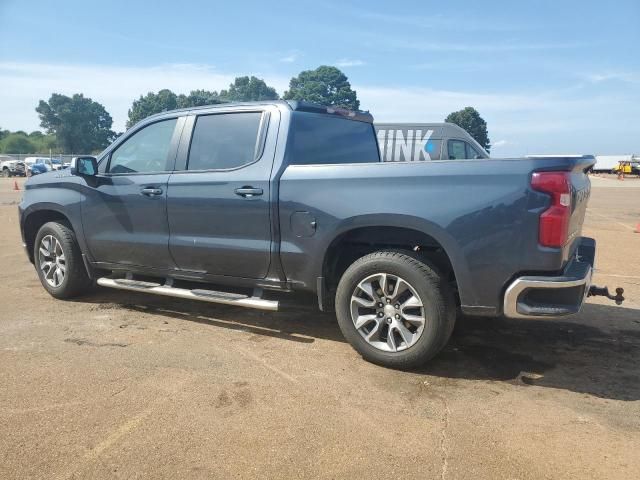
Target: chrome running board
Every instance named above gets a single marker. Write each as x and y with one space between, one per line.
237 299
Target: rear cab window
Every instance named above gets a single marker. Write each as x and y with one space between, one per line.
317 139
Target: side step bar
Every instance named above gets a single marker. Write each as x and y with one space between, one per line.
212 296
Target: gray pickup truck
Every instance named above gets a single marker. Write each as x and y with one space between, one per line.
240 203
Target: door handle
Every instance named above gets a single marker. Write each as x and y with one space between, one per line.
248 192
151 191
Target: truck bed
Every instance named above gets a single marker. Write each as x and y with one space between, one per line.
483 213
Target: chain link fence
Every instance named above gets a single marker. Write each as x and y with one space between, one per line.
22 156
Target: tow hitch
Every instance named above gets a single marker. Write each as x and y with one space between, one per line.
604 292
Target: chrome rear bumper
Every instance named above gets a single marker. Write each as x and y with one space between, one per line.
553 296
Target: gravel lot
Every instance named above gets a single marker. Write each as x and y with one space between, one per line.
121 385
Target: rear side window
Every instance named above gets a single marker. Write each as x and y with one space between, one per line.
324 139
224 141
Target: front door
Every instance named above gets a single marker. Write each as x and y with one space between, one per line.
219 195
124 215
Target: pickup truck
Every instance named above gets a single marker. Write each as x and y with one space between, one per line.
242 203
11 167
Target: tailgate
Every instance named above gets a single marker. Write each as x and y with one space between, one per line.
580 191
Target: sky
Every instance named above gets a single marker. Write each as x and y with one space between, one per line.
559 76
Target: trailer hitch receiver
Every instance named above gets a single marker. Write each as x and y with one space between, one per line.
604 292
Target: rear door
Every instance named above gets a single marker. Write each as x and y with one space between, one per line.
219 196
124 213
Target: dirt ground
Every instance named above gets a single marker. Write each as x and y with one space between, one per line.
121 385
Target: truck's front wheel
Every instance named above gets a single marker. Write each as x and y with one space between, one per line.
396 310
58 261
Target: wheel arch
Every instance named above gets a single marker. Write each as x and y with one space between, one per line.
396 232
33 220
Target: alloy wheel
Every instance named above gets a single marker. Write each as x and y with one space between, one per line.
387 312
52 261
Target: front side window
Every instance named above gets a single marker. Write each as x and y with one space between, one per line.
472 152
457 150
147 150
325 139
224 141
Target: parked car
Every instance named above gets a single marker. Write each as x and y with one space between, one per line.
241 204
412 142
44 162
11 167
37 169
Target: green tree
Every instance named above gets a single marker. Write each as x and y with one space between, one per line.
198 98
150 104
325 85
80 124
469 119
45 143
17 143
247 89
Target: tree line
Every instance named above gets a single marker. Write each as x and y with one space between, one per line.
78 124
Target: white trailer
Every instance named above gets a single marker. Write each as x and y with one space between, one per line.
606 163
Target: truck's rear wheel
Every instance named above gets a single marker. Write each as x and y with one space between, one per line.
58 261
396 310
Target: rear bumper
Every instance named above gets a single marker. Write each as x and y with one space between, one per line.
553 296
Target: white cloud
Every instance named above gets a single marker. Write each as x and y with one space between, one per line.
626 77
22 85
499 144
290 58
347 62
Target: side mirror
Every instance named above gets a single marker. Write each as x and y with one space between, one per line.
84 166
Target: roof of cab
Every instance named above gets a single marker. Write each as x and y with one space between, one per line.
294 105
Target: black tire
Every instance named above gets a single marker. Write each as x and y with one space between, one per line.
431 288
6 173
76 280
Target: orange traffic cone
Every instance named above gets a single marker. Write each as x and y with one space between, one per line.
637 230
15 185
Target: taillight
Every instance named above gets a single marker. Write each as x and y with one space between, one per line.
554 221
